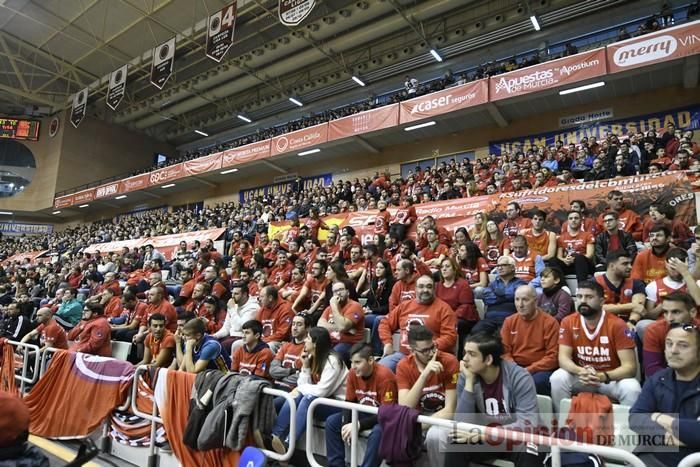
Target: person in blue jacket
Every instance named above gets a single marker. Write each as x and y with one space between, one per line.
666 412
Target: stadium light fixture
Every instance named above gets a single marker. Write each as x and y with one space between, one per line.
83 206
56 212
169 185
229 171
585 87
200 132
420 125
120 197
535 23
310 151
358 81
6 213
435 55
296 102
244 118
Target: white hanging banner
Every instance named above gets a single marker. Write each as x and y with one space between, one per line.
222 25
117 87
293 12
77 112
162 64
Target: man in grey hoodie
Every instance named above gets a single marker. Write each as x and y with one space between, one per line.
493 392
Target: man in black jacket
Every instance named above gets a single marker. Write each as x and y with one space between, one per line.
15 325
612 238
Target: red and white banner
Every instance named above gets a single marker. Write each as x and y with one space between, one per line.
364 122
300 139
203 164
110 189
139 182
442 102
548 75
247 153
166 174
661 46
21 257
63 201
84 196
166 244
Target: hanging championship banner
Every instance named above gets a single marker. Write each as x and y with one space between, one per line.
293 12
117 87
162 64
77 113
222 25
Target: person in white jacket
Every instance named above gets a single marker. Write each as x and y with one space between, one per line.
323 374
240 308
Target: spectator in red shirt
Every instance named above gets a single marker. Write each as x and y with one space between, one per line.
650 264
530 338
629 220
49 333
434 252
254 357
403 218
344 319
382 219
514 223
576 249
159 345
455 291
92 334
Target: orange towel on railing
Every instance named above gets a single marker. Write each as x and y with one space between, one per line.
7 368
77 393
175 415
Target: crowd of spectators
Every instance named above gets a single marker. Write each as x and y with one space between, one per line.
413 88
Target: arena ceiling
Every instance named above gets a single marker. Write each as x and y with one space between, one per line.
50 49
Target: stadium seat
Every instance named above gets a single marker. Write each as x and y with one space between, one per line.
480 307
572 283
120 350
173 290
252 457
367 336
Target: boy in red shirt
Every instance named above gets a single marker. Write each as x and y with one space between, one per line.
576 248
159 345
368 383
254 357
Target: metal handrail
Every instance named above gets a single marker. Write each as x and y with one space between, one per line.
23 379
272 392
492 432
691 460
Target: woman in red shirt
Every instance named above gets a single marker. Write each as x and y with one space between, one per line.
455 291
494 244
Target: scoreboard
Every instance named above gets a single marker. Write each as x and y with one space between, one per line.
19 129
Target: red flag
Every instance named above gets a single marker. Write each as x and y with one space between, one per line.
77 393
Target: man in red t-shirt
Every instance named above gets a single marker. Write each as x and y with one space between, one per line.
427 381
514 223
596 352
678 308
281 273
345 320
276 317
313 291
156 304
50 334
254 357
650 264
576 248
629 220
159 345
368 383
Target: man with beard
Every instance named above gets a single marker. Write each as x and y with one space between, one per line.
276 317
313 290
514 222
425 310
49 333
596 352
345 320
92 334
623 296
650 264
286 365
15 325
629 220
281 273
159 346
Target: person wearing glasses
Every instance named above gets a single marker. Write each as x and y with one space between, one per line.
427 381
668 408
629 220
499 296
344 319
491 391
612 239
